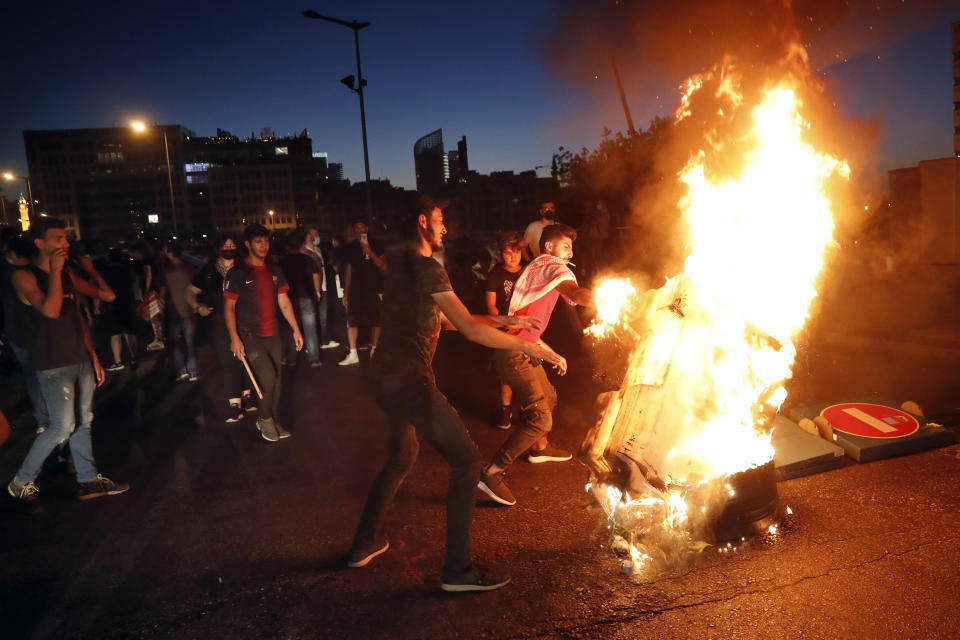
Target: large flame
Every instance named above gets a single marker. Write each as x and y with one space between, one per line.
715 344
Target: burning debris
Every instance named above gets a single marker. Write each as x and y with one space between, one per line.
681 453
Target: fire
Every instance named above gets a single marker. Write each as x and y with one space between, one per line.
714 344
612 299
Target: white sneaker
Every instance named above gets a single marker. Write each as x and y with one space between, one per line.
352 358
330 345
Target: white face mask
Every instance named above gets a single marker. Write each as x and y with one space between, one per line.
316 242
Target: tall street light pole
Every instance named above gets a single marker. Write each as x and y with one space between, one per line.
361 83
139 127
31 208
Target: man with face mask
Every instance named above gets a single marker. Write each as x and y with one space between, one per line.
329 296
205 296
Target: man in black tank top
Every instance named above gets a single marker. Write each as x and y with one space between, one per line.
62 354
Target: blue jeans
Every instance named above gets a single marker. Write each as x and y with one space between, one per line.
307 314
61 388
33 386
185 352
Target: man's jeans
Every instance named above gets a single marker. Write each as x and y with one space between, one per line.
185 351
61 388
307 316
415 407
33 386
537 399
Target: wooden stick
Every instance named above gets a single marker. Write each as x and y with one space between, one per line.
256 387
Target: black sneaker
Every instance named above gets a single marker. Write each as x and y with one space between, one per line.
249 404
234 413
281 432
477 579
362 557
493 485
548 454
27 493
116 366
99 488
503 420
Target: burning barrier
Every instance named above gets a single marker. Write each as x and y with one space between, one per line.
681 455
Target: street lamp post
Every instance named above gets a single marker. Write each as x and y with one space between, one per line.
361 83
139 127
31 206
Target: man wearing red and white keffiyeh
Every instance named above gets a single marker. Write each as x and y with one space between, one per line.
535 294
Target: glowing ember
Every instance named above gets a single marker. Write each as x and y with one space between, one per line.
715 343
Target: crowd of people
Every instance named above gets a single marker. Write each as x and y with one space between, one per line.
265 302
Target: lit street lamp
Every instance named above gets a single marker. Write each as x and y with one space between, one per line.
139 127
358 89
31 208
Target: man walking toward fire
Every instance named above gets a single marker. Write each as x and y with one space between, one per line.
254 289
61 353
535 294
418 300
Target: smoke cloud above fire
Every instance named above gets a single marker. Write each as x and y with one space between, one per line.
657 45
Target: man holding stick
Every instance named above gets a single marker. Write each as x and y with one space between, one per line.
253 290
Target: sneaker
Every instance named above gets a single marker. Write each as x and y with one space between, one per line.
249 404
362 557
156 345
193 378
503 420
99 488
27 493
235 414
477 579
493 485
352 358
116 366
281 432
373 350
267 429
548 454
182 377
332 344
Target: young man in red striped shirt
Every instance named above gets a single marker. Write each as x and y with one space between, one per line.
254 289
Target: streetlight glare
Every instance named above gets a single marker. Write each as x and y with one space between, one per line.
138 126
8 176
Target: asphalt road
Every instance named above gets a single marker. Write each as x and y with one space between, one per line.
224 535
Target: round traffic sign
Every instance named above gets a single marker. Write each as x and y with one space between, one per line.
870 420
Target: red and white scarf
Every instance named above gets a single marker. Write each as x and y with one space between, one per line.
539 278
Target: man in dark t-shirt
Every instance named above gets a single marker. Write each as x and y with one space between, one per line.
363 288
418 301
254 290
303 276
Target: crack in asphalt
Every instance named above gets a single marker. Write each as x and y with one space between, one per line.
634 615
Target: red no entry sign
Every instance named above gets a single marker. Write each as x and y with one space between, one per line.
870 420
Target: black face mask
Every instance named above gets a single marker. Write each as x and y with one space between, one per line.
228 254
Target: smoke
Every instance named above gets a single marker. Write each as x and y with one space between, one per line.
657 45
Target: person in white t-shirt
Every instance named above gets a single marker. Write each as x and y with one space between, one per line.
531 237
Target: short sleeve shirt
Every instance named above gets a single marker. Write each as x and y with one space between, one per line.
255 289
299 269
410 317
500 281
210 283
366 278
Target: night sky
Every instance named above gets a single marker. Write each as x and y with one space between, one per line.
476 69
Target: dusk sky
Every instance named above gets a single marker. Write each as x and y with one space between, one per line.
476 69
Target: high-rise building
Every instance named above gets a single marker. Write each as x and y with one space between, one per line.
428 162
112 180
